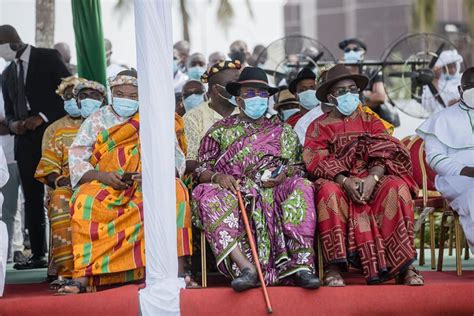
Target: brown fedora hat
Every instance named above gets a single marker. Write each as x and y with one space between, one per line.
285 97
335 74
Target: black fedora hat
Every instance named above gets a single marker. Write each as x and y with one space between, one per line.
335 74
251 77
304 73
343 44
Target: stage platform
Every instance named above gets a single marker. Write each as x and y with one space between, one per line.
444 293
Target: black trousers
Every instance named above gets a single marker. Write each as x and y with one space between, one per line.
28 155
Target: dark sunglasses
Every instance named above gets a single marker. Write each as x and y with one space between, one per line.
337 92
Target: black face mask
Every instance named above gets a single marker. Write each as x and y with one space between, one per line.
240 56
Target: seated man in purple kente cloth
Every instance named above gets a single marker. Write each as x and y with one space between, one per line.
261 158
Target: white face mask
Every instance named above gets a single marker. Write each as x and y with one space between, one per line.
7 53
468 97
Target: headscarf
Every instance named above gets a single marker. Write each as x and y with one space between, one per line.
68 82
89 84
448 57
123 79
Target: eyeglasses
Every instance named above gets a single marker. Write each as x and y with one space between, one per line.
343 90
252 93
348 49
468 86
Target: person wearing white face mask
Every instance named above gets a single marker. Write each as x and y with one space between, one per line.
28 87
449 146
53 168
358 167
447 78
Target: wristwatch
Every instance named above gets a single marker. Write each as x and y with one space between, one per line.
376 177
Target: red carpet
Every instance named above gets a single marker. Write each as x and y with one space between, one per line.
35 299
443 294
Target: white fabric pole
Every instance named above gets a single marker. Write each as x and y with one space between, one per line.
153 29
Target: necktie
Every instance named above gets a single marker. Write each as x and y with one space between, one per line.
22 108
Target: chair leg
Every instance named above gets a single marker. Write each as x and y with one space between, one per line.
466 249
432 241
451 239
203 260
320 261
458 240
422 244
441 243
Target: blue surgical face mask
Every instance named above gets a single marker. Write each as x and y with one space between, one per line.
195 73
348 103
193 101
447 76
353 56
89 107
255 107
286 114
308 99
175 66
124 107
70 106
233 101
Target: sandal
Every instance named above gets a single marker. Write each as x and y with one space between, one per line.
333 279
411 277
57 284
188 279
68 288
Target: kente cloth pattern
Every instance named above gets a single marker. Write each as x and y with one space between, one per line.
107 224
55 160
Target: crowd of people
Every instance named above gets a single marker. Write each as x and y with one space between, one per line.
313 160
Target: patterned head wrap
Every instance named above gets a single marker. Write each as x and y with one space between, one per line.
68 82
123 79
89 84
220 66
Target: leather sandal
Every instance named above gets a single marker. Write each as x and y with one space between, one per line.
333 279
411 277
66 287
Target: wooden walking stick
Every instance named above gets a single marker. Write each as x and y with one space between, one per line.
254 251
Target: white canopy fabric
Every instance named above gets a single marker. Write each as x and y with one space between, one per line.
153 29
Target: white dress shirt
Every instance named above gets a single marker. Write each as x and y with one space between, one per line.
25 58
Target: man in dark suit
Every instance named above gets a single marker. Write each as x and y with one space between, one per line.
28 86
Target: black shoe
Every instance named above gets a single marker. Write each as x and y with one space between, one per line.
306 279
19 257
245 281
32 263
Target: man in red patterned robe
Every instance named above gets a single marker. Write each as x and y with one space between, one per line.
363 178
